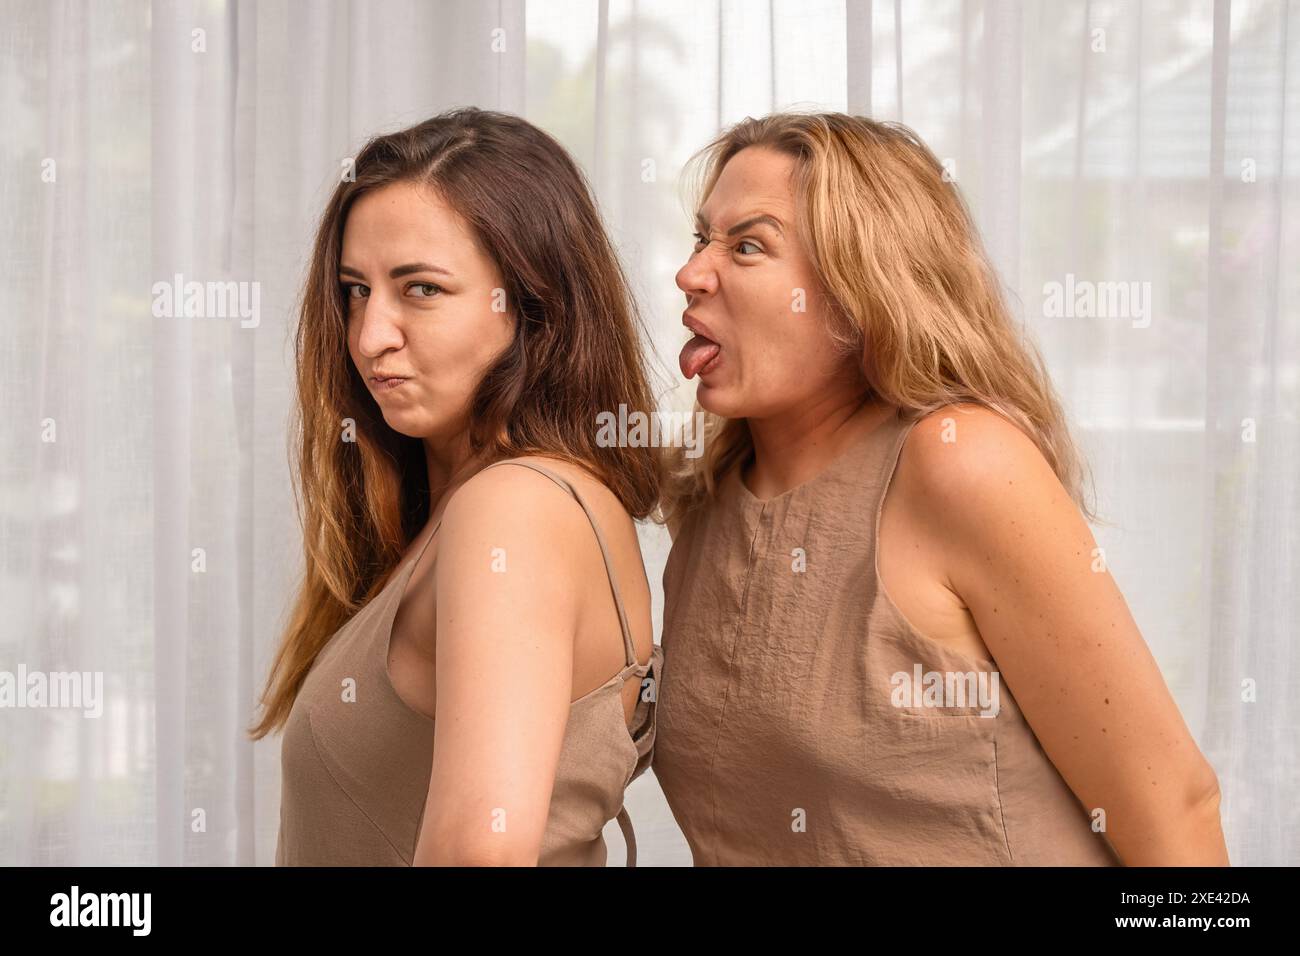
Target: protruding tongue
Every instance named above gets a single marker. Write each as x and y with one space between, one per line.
696 354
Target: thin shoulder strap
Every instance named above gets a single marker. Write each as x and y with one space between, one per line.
629 836
629 650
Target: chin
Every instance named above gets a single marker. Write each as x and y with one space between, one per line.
407 422
718 401
399 424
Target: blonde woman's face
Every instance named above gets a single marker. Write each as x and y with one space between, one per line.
425 309
753 296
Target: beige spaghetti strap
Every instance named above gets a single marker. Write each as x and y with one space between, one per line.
629 837
629 650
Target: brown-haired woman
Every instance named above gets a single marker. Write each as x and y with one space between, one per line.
849 331
464 311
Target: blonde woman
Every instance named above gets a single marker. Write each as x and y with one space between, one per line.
461 681
888 639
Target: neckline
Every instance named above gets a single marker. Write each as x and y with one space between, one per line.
403 573
412 561
846 455
389 619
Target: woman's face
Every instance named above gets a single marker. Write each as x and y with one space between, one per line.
745 286
426 308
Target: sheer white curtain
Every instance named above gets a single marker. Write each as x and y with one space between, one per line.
147 529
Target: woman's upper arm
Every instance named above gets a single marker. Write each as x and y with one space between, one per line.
1021 556
506 612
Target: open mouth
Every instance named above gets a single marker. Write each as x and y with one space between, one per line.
699 356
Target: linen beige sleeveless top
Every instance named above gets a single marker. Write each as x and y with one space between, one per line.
779 739
355 774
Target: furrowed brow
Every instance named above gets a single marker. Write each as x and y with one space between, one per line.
763 219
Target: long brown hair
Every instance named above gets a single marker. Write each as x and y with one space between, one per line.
912 294
576 351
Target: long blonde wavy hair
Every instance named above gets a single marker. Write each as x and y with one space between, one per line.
910 288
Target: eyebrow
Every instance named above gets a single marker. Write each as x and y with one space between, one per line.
760 220
398 271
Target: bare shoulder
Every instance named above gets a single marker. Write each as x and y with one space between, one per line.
969 481
583 480
511 504
965 455
522 501
978 492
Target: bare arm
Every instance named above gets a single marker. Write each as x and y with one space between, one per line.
507 607
1021 556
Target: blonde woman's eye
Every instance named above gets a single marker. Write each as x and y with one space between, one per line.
700 241
428 290
753 248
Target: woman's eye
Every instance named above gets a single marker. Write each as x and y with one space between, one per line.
700 241
753 248
430 290
350 290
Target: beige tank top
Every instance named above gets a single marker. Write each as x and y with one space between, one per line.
355 773
787 735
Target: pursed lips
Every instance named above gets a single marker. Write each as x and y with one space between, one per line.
384 382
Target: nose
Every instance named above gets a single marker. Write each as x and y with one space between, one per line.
380 326
698 277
